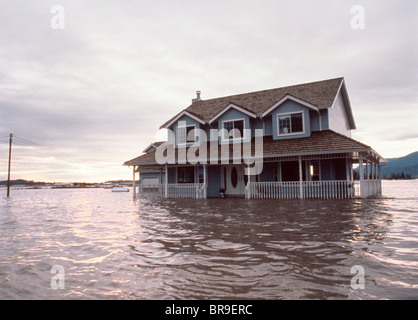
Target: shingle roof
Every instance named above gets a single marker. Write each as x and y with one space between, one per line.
319 94
319 141
326 141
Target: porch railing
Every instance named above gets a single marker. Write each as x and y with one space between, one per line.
185 190
174 190
333 189
273 190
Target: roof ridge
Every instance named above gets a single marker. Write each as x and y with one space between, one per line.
266 90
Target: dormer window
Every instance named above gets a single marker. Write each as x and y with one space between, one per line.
186 134
233 129
290 123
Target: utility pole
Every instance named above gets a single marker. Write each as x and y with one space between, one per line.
10 160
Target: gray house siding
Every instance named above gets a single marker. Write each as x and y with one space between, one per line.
338 119
268 126
314 118
256 124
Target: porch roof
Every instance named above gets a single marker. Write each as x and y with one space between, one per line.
320 142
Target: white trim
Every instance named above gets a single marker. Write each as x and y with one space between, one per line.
233 139
292 133
151 145
289 97
230 106
182 114
336 96
187 142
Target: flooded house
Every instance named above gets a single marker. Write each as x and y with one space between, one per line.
285 143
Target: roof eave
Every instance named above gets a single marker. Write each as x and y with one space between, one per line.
232 106
178 116
283 100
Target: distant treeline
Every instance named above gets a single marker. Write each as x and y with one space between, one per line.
399 176
30 183
23 182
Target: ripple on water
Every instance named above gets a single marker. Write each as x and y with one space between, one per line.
113 247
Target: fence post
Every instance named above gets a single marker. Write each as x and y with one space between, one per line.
360 160
166 182
300 178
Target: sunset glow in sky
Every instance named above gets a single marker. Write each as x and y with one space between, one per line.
92 83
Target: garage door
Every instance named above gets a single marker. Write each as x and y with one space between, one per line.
150 181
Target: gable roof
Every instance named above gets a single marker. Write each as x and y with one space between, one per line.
154 145
319 94
233 106
191 115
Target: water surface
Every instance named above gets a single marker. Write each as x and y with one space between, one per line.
113 247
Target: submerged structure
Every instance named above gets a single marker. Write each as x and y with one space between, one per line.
285 143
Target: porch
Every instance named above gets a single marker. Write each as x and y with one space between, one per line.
338 189
326 176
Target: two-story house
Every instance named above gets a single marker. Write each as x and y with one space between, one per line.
285 143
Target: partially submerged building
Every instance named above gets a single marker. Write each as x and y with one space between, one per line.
284 143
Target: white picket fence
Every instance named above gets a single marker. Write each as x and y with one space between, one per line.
333 189
175 190
186 190
273 190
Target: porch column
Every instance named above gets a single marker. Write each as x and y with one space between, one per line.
205 181
360 161
166 182
372 170
247 187
347 169
134 183
367 170
300 178
379 178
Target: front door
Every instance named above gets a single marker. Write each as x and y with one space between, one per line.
235 180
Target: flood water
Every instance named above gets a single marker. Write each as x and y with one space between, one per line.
108 246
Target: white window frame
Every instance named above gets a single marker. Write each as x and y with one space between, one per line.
186 142
291 133
233 139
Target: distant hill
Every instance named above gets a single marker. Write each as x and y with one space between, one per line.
407 165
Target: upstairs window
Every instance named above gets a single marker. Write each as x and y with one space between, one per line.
290 123
186 134
233 130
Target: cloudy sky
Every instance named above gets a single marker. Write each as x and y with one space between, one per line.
91 83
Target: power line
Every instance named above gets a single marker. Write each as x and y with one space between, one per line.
54 150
